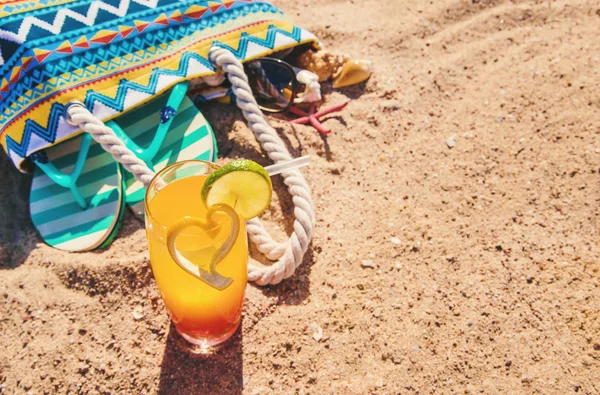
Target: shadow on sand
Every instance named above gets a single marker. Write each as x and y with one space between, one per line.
17 234
185 373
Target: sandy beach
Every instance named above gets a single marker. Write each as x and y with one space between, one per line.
457 241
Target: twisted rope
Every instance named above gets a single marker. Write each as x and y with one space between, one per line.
289 253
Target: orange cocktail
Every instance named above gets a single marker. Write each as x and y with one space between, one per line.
199 256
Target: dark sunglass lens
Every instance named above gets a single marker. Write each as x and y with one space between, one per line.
272 84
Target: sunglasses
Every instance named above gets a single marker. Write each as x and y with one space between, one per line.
273 82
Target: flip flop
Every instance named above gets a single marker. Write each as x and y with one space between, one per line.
172 129
76 200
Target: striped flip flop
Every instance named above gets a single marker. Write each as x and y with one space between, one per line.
172 129
76 200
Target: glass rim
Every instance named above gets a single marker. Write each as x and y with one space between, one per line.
148 213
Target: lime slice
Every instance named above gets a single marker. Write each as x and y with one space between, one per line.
242 184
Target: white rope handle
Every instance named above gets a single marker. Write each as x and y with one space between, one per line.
289 253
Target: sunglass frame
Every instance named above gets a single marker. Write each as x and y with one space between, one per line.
295 83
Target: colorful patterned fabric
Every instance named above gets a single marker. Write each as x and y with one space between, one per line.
115 55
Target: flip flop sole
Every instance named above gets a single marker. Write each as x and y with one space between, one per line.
190 137
116 229
59 219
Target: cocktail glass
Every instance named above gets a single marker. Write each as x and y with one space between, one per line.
199 255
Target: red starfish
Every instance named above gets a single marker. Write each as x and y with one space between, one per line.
312 117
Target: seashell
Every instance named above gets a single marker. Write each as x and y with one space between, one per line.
353 72
322 63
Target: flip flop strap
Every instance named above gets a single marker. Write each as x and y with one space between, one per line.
69 180
168 114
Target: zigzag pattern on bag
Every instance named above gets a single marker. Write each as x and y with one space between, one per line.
89 19
268 42
12 12
153 85
28 6
33 128
126 47
34 89
126 88
52 19
134 16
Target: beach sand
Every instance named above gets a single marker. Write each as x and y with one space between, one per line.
471 269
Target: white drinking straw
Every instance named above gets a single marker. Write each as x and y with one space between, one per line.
291 164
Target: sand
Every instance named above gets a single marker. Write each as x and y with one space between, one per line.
471 269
